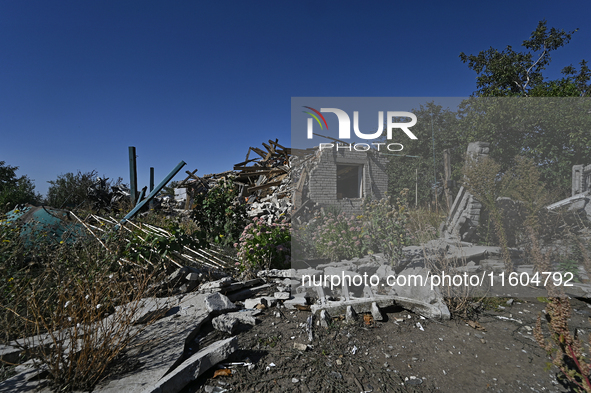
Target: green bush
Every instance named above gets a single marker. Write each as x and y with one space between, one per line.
219 214
70 190
339 237
385 226
264 246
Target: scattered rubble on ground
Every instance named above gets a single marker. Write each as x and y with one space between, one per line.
300 329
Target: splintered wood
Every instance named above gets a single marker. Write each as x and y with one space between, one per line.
256 177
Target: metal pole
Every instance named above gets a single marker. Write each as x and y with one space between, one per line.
151 186
151 178
152 194
132 176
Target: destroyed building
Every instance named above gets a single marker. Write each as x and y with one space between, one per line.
341 178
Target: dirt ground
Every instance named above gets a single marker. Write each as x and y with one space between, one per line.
403 353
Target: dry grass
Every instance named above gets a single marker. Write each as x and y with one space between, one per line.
78 299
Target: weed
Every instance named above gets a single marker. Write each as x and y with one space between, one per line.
338 237
79 298
262 246
385 226
219 214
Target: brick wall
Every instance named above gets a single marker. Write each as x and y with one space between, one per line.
322 185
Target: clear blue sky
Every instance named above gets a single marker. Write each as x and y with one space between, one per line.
80 81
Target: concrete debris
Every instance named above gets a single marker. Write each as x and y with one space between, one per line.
264 183
325 319
193 367
464 215
282 295
252 303
375 312
300 347
213 285
350 314
225 323
218 303
245 316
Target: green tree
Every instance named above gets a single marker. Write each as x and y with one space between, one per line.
15 190
553 133
520 74
70 189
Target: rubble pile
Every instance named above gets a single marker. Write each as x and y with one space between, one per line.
263 181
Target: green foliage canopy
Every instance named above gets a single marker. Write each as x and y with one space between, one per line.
508 73
70 189
15 190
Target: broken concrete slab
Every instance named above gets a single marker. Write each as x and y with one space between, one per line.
299 300
193 367
274 273
350 314
215 285
160 348
218 303
246 316
239 285
282 295
247 292
225 323
252 303
325 319
434 311
25 381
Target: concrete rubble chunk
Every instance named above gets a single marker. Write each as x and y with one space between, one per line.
272 273
376 313
325 319
214 285
350 314
195 366
299 300
247 292
192 277
252 303
300 347
225 323
269 301
246 316
218 303
281 295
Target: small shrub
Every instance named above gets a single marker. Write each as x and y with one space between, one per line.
339 237
423 225
264 246
78 296
219 214
564 348
385 226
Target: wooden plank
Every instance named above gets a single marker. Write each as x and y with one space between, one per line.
259 152
264 186
269 148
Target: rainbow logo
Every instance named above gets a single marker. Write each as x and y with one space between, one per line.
315 117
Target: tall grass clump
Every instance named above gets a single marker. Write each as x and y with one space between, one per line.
70 305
